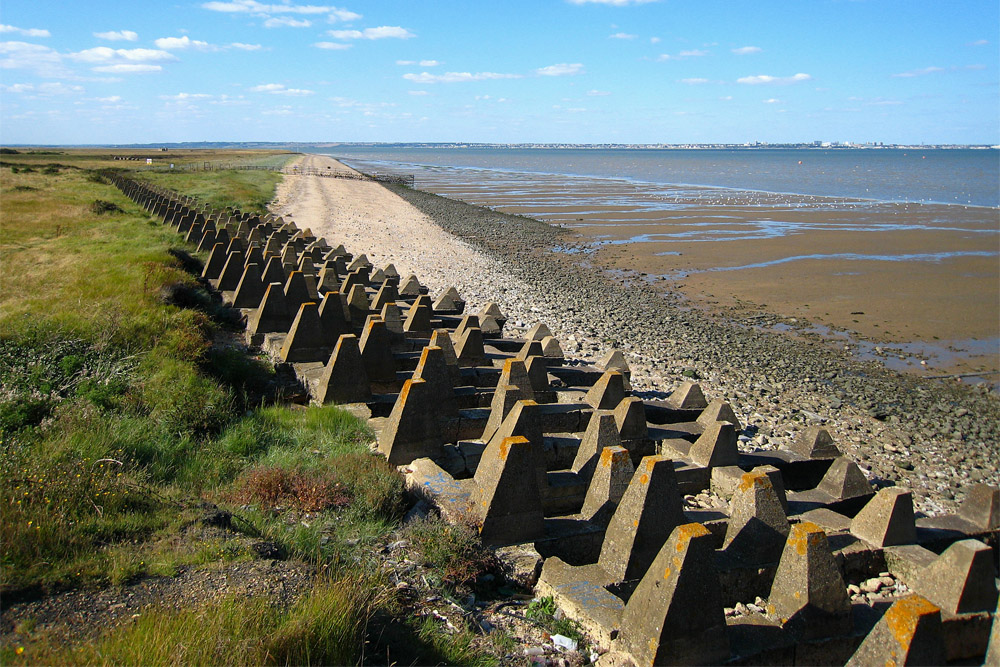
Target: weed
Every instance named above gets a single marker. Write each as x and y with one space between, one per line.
543 611
99 206
306 490
452 549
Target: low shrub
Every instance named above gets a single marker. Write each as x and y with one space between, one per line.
99 206
271 487
453 549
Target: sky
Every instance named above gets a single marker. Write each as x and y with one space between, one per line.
508 71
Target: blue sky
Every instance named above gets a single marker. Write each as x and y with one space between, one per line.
579 71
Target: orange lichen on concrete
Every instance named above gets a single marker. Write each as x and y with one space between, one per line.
752 479
903 617
687 532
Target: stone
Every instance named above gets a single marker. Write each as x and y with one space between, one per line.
376 351
649 510
413 429
504 398
719 411
688 397
909 633
716 446
538 332
630 418
250 289
960 580
887 520
433 368
815 443
470 350
344 379
601 433
808 593
607 392
981 507
506 503
758 526
272 315
675 616
844 480
610 479
305 340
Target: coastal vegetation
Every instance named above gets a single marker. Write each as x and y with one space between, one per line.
141 448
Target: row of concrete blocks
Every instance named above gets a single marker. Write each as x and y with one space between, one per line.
601 553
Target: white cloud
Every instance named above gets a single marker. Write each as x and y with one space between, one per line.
24 55
598 93
772 100
117 35
17 88
52 88
692 53
110 100
180 97
286 22
381 32
182 43
747 50
979 42
694 81
280 89
622 35
726 98
429 63
332 46
561 69
25 32
418 93
457 77
654 40
125 68
918 72
263 10
773 80
406 62
246 47
105 54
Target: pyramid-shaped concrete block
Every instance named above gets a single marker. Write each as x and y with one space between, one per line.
490 326
981 507
332 317
491 309
358 304
688 397
305 340
514 372
650 509
538 374
393 318
538 332
410 287
232 271
450 300
815 442
386 294
607 392
344 379
844 480
216 260
440 338
531 348
675 615
413 429
808 593
551 347
272 315
524 420
433 368
960 580
506 503
418 319
467 322
601 433
758 526
610 479
887 520
909 633
376 351
630 417
296 291
719 411
359 262
273 271
504 398
470 349
328 280
250 289
716 446
614 360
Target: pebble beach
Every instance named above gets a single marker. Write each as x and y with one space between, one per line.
933 436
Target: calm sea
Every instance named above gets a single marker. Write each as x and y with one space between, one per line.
965 177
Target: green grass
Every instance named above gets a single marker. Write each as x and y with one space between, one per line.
246 190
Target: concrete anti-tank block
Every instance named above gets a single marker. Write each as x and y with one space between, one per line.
719 411
758 526
506 502
344 379
675 615
716 446
412 430
687 397
887 519
608 483
981 507
601 433
815 442
908 634
607 392
960 580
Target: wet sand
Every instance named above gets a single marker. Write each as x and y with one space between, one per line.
922 278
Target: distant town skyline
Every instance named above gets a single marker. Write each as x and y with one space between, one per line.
560 71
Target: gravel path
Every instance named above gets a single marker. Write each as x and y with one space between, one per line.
934 437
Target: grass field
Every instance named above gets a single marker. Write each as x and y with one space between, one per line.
127 417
